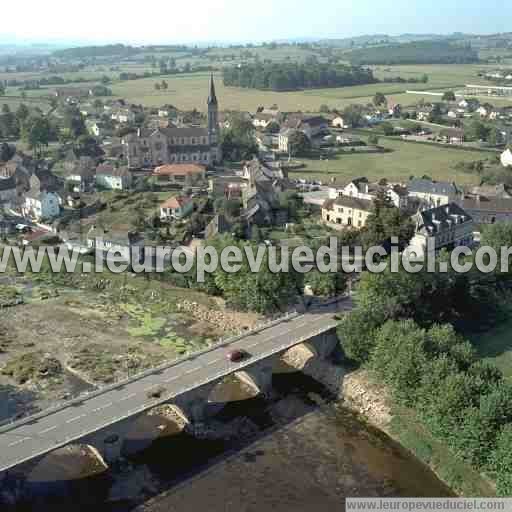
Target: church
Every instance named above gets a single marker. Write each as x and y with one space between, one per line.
150 148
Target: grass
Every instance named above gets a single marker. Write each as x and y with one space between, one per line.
496 346
408 429
405 159
188 91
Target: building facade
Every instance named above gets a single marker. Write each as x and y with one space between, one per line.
151 148
445 226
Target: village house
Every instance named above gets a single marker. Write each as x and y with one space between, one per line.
488 210
124 115
113 178
41 203
444 226
499 191
128 245
434 193
338 122
312 126
283 143
151 148
176 208
180 174
347 211
263 120
452 136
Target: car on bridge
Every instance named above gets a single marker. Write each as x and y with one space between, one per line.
235 356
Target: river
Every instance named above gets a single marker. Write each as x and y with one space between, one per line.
297 450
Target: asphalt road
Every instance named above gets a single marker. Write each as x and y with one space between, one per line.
34 437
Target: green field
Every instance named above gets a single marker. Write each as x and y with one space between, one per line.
188 91
404 160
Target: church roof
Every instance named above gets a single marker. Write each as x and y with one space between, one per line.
212 97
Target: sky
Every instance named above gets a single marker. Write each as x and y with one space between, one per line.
172 21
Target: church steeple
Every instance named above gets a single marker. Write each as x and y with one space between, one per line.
212 97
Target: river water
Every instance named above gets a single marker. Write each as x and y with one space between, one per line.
297 450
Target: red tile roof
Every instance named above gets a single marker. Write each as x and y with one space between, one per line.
178 169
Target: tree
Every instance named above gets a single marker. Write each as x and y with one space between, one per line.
298 143
387 128
22 113
2 89
157 86
449 96
237 141
373 139
353 115
477 130
379 99
326 284
324 109
400 357
36 133
501 461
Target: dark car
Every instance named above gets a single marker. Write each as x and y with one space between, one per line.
236 356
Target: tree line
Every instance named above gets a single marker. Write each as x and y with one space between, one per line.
295 76
425 52
408 330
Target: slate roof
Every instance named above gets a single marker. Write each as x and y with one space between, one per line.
424 186
441 218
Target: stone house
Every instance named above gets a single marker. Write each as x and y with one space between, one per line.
444 226
347 211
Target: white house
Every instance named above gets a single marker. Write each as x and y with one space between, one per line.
113 178
434 193
41 203
506 158
338 122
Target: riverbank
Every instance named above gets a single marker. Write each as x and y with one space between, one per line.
372 403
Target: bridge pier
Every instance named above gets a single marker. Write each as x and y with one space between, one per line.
259 375
193 404
109 441
325 343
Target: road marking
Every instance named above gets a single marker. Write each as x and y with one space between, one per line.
75 418
213 362
257 343
102 407
172 378
192 370
19 441
48 429
127 397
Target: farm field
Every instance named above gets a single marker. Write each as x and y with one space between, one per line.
187 91
406 159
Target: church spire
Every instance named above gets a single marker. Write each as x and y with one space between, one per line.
212 97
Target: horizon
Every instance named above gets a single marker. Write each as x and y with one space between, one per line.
228 22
